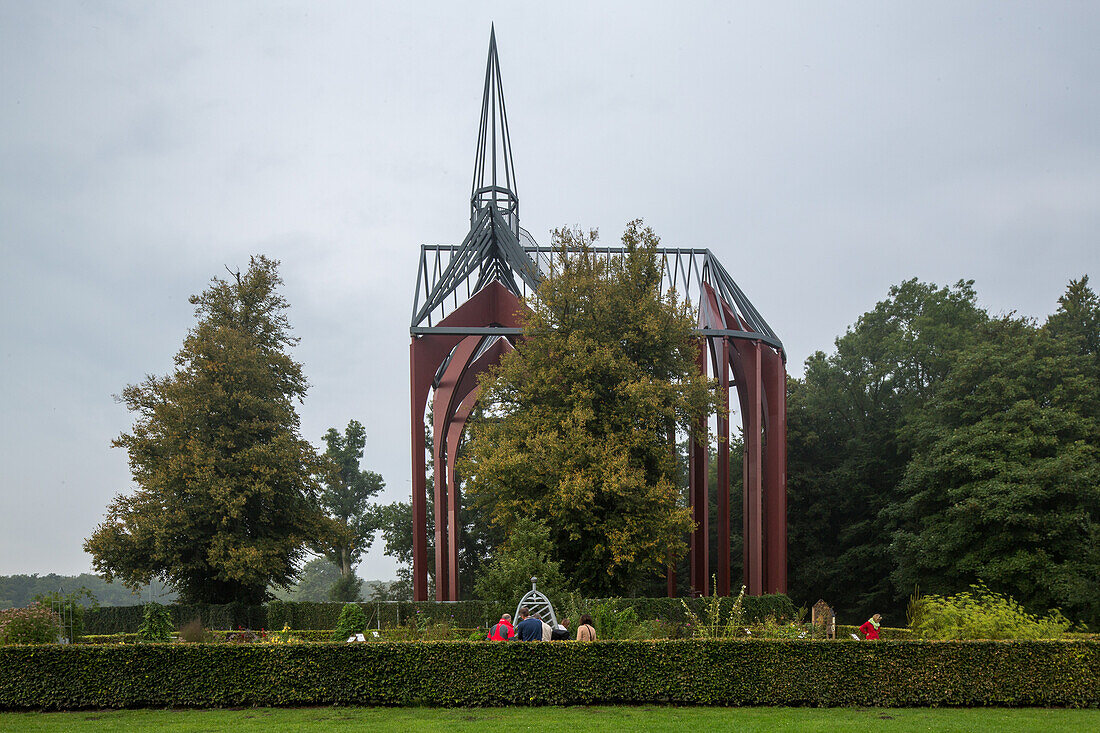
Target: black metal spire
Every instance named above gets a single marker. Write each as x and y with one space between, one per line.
494 175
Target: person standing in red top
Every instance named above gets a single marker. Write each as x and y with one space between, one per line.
503 631
870 628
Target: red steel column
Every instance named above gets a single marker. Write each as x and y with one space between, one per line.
700 561
723 558
446 510
753 526
775 475
419 479
454 501
670 570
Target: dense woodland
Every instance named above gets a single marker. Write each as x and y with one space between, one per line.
940 445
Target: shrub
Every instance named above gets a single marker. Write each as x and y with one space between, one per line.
686 672
352 621
981 614
713 623
156 624
35 624
69 608
613 623
193 632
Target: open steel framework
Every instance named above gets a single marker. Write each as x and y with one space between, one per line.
467 313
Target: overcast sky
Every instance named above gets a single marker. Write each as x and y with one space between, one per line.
824 152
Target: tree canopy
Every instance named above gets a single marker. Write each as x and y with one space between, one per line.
576 419
939 447
345 497
226 502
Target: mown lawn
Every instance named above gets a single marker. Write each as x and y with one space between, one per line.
566 720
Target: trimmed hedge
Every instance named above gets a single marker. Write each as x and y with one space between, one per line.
470 614
885 633
688 672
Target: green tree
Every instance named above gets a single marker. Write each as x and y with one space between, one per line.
526 553
345 497
845 455
315 582
226 501
1004 485
577 417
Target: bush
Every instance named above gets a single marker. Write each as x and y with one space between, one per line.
35 624
352 621
70 609
719 620
612 622
685 672
468 614
980 614
156 625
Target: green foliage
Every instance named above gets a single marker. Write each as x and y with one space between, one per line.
127 619
351 520
613 622
35 624
315 581
226 502
713 622
981 614
845 456
156 624
682 672
346 588
19 590
352 621
941 447
466 614
525 554
70 609
577 417
1004 484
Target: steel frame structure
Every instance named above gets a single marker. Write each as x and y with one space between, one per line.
467 313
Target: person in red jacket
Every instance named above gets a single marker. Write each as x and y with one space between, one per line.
503 631
870 628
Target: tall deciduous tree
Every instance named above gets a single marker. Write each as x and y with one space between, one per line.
226 500
845 456
577 417
345 497
1004 484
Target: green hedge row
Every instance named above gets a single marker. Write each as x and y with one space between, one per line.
885 633
473 614
688 672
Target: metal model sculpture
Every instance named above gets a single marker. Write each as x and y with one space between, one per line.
537 602
468 312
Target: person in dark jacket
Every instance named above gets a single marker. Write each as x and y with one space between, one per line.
503 630
561 631
529 628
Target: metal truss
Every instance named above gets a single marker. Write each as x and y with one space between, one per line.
468 311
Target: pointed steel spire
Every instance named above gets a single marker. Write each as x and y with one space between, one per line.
494 175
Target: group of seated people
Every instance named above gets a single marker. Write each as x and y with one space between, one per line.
531 627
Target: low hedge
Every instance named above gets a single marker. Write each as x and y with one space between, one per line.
885 633
469 614
687 672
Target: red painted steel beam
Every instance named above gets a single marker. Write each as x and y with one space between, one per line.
724 470
670 570
700 562
753 524
775 473
443 406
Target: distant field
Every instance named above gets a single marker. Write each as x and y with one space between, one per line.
566 720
